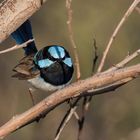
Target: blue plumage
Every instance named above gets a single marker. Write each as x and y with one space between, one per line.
49 69
55 64
23 34
56 51
50 54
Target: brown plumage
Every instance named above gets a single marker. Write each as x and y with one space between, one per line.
26 69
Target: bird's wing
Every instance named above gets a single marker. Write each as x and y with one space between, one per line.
26 69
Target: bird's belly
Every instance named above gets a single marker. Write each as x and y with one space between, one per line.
39 83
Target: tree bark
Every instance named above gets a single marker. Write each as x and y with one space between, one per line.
14 12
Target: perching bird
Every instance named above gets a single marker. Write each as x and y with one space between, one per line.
49 69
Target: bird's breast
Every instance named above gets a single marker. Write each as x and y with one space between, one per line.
39 83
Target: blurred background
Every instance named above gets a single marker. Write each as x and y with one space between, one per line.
112 116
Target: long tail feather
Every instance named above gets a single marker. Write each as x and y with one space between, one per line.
23 34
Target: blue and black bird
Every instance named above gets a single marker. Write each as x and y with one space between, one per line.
49 69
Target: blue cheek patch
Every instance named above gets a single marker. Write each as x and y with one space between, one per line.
44 63
57 52
68 62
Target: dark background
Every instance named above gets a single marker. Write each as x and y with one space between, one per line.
113 116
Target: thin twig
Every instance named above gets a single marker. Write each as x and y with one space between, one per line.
70 31
67 118
95 56
82 119
31 95
17 47
126 15
87 100
129 58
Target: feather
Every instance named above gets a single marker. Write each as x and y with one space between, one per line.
26 69
23 34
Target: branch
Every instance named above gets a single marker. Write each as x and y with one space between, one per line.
73 44
14 12
125 61
126 15
95 48
75 89
109 88
17 46
85 107
66 118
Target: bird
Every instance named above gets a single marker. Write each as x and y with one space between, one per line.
49 69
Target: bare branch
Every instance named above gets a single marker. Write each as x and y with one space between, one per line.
66 118
110 87
95 56
17 47
97 81
85 107
124 18
73 44
125 61
31 96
